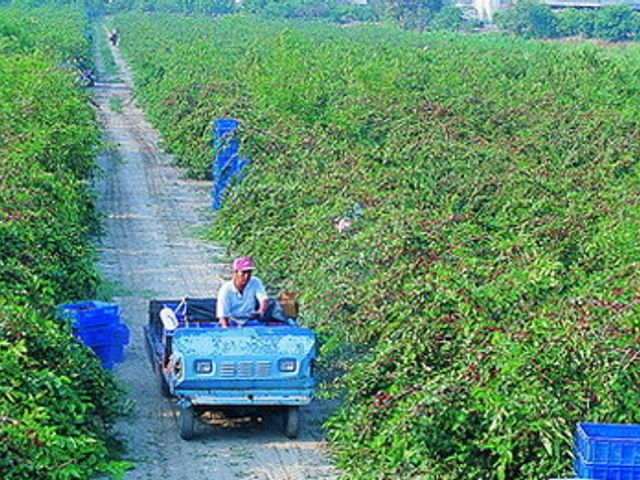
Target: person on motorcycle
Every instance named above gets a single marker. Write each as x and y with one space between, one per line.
243 297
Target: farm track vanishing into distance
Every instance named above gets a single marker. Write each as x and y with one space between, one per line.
150 250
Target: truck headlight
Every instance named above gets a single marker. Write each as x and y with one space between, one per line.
287 364
203 367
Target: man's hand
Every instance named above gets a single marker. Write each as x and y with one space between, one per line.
264 304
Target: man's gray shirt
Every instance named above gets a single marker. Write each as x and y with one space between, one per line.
233 304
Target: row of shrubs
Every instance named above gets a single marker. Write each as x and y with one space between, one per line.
458 215
527 18
531 19
56 402
431 14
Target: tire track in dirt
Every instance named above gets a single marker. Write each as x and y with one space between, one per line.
150 250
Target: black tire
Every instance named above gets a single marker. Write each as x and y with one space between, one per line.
292 422
186 423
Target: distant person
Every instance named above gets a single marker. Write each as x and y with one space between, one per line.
243 297
113 37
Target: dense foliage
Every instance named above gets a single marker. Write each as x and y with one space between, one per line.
56 402
91 8
406 13
528 19
617 23
531 19
458 214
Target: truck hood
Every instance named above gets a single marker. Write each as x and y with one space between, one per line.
244 342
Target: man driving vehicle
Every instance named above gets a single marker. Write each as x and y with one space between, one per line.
243 297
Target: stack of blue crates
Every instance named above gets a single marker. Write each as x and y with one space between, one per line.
227 165
97 325
607 451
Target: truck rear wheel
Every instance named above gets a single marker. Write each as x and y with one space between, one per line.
292 422
186 422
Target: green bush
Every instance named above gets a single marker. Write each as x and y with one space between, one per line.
480 295
449 18
307 9
411 14
616 23
576 22
57 404
528 19
348 13
34 29
531 20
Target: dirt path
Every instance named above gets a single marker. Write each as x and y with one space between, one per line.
150 250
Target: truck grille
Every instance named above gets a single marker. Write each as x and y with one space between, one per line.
228 369
263 369
245 369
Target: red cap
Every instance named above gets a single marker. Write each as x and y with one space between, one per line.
243 263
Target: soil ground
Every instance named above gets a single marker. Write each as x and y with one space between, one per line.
151 250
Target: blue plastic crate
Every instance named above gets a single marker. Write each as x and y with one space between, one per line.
114 334
232 170
604 472
109 355
608 444
89 313
225 154
224 126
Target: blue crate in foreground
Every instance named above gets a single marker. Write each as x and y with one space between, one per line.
608 444
89 313
115 334
97 325
605 472
109 355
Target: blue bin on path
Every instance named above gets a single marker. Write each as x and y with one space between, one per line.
89 313
607 451
117 334
97 325
109 355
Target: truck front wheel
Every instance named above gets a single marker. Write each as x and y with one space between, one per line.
292 422
186 422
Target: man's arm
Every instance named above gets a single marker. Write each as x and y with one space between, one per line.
261 296
222 309
264 304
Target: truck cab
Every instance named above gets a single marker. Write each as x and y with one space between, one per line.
204 366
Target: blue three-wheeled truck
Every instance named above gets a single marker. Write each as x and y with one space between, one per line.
204 366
